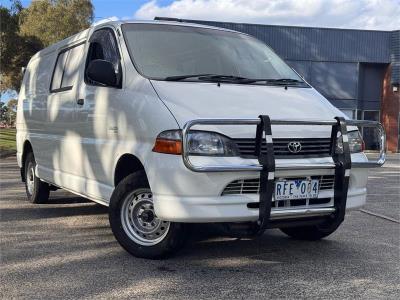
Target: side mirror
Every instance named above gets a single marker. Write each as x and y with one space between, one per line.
102 71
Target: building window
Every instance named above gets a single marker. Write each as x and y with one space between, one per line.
370 135
349 112
359 115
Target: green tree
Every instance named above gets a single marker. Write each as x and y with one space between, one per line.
8 112
12 111
54 20
3 112
15 50
25 31
12 104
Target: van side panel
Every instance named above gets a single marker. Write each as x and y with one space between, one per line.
32 114
32 107
63 157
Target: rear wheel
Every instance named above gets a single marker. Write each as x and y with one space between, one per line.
36 190
135 224
311 233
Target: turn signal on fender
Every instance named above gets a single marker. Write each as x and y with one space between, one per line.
168 146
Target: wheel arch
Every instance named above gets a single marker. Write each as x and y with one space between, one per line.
126 165
27 148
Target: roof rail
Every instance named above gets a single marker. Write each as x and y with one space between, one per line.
168 19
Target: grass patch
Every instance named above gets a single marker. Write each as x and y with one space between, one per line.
7 139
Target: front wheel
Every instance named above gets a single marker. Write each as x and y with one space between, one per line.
135 224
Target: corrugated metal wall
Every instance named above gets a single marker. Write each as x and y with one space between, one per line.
318 44
395 57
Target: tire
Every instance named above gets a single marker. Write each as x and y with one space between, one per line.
36 190
135 225
311 233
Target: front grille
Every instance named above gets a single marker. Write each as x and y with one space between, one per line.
310 147
252 186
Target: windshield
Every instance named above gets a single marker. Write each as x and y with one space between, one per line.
162 51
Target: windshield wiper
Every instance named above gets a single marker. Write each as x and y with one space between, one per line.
227 78
234 79
284 80
182 77
278 80
212 78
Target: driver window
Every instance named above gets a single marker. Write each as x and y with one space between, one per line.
103 45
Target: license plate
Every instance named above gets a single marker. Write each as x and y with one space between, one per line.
296 189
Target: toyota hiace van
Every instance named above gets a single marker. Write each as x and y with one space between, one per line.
170 123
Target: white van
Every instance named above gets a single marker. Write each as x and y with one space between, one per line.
174 123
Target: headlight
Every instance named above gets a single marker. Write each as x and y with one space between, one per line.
210 143
356 143
199 143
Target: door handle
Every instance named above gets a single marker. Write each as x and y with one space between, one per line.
80 101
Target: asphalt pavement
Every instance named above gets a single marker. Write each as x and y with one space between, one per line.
65 250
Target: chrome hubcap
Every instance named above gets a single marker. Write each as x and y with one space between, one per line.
30 179
139 220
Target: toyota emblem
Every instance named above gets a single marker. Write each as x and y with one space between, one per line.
294 147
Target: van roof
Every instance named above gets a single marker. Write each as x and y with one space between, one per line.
79 37
164 21
82 36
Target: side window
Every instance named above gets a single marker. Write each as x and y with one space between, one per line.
103 45
66 70
71 70
58 71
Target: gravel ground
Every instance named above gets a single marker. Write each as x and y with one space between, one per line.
65 249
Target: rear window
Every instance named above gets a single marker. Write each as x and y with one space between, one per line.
66 70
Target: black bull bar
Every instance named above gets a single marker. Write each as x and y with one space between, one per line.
341 162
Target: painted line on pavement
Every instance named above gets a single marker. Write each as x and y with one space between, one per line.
379 216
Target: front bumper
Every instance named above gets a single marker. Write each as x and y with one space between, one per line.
181 195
